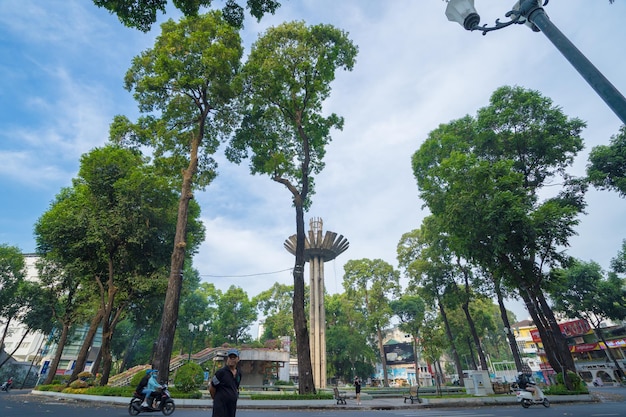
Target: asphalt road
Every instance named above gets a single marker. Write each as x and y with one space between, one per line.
22 404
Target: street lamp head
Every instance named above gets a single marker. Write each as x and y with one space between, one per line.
463 12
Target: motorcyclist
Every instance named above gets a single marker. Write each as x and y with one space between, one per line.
525 383
151 385
8 384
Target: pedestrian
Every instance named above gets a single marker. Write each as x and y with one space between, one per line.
224 386
357 389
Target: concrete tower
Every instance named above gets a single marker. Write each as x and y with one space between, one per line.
318 248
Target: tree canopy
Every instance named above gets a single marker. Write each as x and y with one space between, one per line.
185 86
481 177
142 14
607 165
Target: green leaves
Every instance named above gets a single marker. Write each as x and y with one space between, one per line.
285 81
607 165
142 14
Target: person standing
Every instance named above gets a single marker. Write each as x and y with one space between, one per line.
224 386
357 389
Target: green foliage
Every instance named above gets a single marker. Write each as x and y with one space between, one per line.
348 346
275 305
578 385
607 165
189 377
288 383
142 14
481 179
136 379
235 313
79 383
12 273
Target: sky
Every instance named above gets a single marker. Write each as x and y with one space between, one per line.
62 64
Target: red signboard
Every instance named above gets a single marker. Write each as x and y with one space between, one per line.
585 347
569 329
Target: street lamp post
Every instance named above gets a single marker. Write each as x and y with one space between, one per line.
531 13
192 330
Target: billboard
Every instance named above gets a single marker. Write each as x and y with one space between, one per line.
399 353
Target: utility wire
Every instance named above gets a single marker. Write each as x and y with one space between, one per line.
244 276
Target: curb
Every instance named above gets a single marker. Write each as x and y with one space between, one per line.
373 404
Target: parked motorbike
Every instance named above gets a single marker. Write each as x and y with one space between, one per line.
163 402
526 398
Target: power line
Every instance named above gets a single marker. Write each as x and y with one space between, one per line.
245 276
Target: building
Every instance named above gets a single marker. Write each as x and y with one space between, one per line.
590 354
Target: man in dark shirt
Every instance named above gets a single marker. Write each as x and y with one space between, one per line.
224 386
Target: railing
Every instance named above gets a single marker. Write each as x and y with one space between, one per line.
124 378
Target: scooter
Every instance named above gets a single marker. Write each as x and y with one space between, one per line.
527 398
163 402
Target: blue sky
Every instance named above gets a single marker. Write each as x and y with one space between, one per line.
62 64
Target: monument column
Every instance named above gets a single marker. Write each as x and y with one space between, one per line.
318 248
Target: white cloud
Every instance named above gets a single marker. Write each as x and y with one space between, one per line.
62 83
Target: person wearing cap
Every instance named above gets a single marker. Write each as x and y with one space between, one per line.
150 387
224 386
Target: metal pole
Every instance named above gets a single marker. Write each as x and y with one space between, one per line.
590 73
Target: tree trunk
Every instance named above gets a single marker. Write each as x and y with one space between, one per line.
455 352
417 359
169 318
84 349
507 327
474 333
468 316
607 351
306 384
52 369
4 332
9 355
383 358
552 352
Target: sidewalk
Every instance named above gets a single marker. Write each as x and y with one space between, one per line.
371 404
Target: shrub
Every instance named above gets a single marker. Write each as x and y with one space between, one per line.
579 386
79 383
189 377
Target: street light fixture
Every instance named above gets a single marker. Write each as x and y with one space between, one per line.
192 330
531 13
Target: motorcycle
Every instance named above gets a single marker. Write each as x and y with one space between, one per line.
6 386
162 402
527 398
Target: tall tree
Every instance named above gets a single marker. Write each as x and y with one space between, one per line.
348 340
275 305
482 177
427 262
185 86
411 310
12 274
581 291
286 80
142 14
607 165
113 227
235 314
372 285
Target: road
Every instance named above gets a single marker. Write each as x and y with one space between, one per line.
21 404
